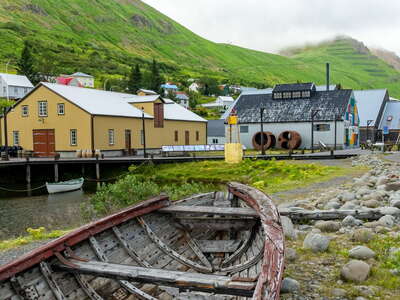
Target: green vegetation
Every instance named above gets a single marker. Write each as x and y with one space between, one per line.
180 180
34 235
107 37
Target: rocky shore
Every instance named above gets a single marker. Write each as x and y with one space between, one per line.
347 258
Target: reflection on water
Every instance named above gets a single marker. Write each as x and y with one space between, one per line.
58 211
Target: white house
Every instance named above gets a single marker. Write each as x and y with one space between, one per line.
182 99
222 102
216 132
14 86
290 108
85 79
194 87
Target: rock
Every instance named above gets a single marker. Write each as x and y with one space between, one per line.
348 206
371 203
290 254
363 191
288 228
347 196
372 224
365 291
316 242
328 226
339 293
362 235
381 180
350 221
361 252
165 296
356 271
332 205
360 298
393 186
394 211
395 203
387 221
289 285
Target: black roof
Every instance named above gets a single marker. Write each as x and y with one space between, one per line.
293 87
330 104
216 128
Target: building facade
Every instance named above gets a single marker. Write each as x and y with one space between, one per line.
63 119
290 108
216 132
14 86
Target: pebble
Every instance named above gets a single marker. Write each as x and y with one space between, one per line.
361 252
356 271
371 203
347 196
289 285
290 254
362 235
339 293
316 242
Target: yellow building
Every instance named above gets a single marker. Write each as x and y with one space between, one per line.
62 119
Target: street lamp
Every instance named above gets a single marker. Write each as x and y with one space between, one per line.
314 113
262 109
143 134
369 122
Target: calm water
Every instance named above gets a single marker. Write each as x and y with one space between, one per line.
58 211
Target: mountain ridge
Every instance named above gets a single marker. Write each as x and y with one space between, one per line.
105 37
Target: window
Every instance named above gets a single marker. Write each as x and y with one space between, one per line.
42 108
61 108
278 96
158 115
197 136
215 141
322 127
111 137
25 110
4 91
15 91
141 137
25 91
176 136
305 94
73 137
296 95
287 95
244 129
16 138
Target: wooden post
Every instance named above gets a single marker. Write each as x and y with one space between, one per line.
28 174
97 168
83 170
56 172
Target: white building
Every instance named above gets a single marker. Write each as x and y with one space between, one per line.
216 132
182 99
289 108
14 86
194 87
85 79
222 102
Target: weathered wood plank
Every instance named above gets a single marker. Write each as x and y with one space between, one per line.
218 224
222 246
211 210
365 214
47 274
191 281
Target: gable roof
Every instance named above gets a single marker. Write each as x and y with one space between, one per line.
175 111
181 96
321 88
370 103
169 86
149 92
80 74
391 116
294 87
140 99
97 102
329 103
216 128
16 80
226 99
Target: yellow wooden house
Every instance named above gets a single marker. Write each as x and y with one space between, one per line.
62 119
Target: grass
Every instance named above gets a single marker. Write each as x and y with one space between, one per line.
33 236
106 37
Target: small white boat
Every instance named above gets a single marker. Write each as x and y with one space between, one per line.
64 186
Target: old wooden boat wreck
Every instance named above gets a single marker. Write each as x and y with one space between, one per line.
211 246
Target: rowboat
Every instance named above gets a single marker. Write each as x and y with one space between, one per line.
222 245
64 186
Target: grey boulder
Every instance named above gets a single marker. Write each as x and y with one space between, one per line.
289 285
355 271
316 242
361 252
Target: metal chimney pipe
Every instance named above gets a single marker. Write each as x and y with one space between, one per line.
327 76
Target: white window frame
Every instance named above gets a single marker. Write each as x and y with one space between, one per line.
277 95
244 129
296 95
42 109
111 137
16 137
25 110
305 94
61 112
73 137
287 95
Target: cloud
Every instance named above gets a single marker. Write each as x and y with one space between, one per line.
269 25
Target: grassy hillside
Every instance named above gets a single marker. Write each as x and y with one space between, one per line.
105 37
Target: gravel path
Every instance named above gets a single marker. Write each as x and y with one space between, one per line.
9 255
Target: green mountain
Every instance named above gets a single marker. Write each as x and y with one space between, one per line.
105 37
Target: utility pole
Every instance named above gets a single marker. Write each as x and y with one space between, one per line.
262 130
144 134
314 113
336 119
5 134
369 122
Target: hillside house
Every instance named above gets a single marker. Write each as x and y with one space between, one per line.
290 106
55 118
143 92
169 88
182 99
391 120
14 86
222 102
69 81
85 79
195 87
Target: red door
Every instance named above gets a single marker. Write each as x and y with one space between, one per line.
44 142
187 138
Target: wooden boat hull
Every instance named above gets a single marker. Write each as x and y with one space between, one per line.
117 256
63 187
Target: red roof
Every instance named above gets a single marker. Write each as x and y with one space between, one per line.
67 81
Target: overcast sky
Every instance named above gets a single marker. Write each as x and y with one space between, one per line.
271 25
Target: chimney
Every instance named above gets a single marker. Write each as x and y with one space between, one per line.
327 76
